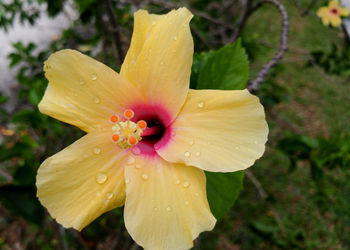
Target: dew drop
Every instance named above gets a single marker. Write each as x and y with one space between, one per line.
155 209
81 82
131 160
136 150
161 63
256 142
175 38
176 14
154 23
168 209
191 142
97 150
93 77
209 142
97 100
144 176
198 153
187 203
187 154
200 105
236 147
109 195
177 182
196 194
101 178
137 166
186 184
127 181
98 193
85 155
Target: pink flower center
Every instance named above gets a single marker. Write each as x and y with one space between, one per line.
145 129
334 11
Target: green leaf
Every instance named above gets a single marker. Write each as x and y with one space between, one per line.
226 68
223 190
198 61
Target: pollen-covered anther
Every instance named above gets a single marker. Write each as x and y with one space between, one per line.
127 133
115 118
142 124
128 114
132 140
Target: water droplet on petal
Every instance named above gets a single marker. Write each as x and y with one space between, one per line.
187 203
154 23
186 184
127 181
97 100
155 209
93 77
144 176
191 142
101 178
109 195
97 150
131 160
256 142
136 150
175 38
138 166
236 147
81 82
209 142
85 155
187 154
198 153
196 194
177 182
168 209
200 105
161 63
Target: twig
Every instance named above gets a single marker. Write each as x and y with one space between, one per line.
307 10
256 183
245 13
169 5
263 196
254 84
62 242
115 29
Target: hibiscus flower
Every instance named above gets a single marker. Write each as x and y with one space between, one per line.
149 137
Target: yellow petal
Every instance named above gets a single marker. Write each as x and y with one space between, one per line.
82 181
160 57
325 21
343 11
333 3
323 11
83 91
166 205
335 21
217 130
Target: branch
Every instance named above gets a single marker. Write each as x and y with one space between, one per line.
115 29
254 84
264 196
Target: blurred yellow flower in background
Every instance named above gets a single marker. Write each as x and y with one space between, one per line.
149 137
332 14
